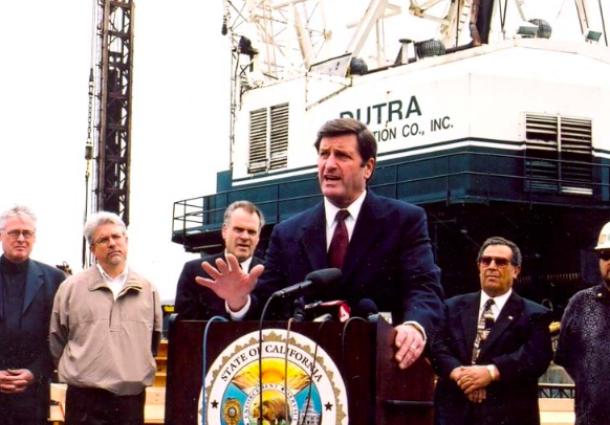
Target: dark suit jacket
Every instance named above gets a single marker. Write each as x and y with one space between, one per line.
28 347
519 344
389 260
194 301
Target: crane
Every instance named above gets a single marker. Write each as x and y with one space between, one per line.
108 146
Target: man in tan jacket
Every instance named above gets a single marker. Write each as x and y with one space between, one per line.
104 330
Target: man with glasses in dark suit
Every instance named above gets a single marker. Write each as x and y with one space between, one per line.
492 347
27 288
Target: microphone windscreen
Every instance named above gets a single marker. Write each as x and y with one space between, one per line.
324 277
365 308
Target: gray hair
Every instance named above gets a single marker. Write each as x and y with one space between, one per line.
99 218
249 207
16 211
499 240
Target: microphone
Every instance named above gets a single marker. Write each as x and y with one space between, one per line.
315 280
323 318
339 309
323 304
299 309
312 306
367 309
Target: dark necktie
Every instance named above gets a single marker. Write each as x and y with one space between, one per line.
486 322
338 244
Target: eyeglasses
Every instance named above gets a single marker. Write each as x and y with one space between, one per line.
105 241
604 255
500 261
27 234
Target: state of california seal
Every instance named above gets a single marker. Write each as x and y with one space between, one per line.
296 387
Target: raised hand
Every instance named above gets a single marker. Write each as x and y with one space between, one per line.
229 282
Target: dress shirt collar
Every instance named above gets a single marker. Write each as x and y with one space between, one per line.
331 210
245 265
499 302
107 277
354 209
114 283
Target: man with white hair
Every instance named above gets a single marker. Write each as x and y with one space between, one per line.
105 329
583 348
27 288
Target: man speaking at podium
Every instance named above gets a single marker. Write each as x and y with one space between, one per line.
380 244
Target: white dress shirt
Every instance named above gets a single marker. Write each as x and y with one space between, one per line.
331 211
238 315
114 283
498 304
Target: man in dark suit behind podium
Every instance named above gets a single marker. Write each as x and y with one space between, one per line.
382 246
492 348
240 231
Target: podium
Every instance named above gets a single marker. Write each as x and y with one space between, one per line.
378 392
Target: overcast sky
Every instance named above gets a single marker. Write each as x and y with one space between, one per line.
179 122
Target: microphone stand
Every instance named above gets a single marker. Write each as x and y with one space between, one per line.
204 351
320 277
311 372
286 408
260 356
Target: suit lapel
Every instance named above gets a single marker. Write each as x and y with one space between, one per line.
313 239
33 283
510 313
255 262
1 296
365 233
470 318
